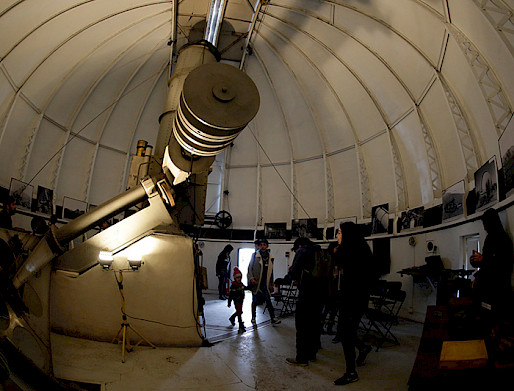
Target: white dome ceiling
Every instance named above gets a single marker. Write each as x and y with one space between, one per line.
363 102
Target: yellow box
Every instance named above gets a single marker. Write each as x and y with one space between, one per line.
463 354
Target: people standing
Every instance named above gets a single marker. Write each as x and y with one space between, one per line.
237 295
223 271
359 274
331 305
260 277
492 284
308 312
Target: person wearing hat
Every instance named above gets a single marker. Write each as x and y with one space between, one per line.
237 295
260 276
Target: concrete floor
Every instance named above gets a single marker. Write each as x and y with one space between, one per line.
254 360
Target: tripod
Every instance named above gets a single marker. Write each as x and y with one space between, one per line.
125 324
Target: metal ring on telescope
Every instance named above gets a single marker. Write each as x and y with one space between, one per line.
216 104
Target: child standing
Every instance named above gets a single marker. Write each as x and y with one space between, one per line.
237 295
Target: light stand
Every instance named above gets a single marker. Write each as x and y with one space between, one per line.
125 324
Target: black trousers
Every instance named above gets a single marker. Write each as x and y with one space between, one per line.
222 285
349 319
307 322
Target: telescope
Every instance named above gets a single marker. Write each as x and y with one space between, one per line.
209 103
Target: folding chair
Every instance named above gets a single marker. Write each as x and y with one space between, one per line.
289 299
382 318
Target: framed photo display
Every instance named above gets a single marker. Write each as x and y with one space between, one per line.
44 200
338 222
453 201
275 230
486 185
304 228
506 144
22 193
72 208
379 219
412 218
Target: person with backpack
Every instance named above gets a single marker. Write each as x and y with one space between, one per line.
308 307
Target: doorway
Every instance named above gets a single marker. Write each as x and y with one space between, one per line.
244 255
471 243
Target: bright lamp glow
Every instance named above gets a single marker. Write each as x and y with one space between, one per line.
105 259
135 261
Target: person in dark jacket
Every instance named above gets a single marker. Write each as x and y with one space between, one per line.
492 285
223 271
9 209
237 295
354 257
308 306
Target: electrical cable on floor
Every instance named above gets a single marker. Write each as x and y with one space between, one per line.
148 320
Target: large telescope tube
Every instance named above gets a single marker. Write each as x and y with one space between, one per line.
216 104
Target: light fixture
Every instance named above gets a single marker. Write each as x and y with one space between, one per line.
135 262
105 259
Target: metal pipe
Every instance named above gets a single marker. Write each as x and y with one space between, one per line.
104 211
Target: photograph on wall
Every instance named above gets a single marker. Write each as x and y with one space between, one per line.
380 219
44 200
22 193
412 218
433 216
275 230
486 185
72 208
338 222
453 201
304 228
506 144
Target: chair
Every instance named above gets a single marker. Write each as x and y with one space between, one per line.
383 316
289 299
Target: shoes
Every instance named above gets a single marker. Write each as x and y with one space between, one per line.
347 378
293 361
336 339
275 321
254 322
361 358
232 321
242 328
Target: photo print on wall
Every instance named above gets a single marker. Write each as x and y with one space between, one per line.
72 208
22 193
338 222
44 200
304 228
412 218
275 230
486 185
506 144
453 201
380 219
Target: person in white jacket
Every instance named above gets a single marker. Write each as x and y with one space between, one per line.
260 277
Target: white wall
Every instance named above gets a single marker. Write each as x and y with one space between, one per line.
448 241
211 249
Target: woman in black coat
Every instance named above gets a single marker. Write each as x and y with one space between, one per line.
492 285
223 271
355 259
